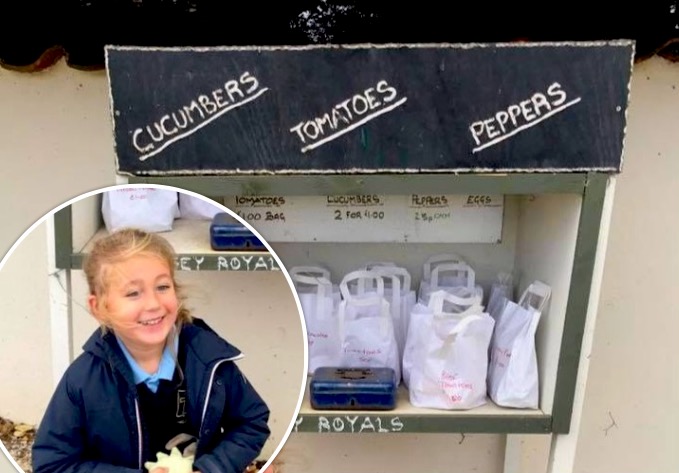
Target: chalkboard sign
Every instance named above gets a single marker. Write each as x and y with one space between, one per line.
516 107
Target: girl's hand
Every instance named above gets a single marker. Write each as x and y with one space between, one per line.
160 469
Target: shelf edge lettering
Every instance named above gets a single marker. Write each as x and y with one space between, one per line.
355 424
227 262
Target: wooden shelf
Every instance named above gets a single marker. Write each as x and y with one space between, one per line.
406 418
191 241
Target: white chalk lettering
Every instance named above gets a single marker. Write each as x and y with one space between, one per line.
353 425
262 264
189 263
247 260
245 263
199 260
235 263
135 142
352 422
185 121
222 263
151 139
367 424
187 109
298 422
184 263
218 98
518 117
167 131
323 424
379 426
149 130
338 424
347 115
554 90
388 91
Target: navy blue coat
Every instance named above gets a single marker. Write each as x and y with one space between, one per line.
92 423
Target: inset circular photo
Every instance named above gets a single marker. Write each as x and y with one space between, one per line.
154 330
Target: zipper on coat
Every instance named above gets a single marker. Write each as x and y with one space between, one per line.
139 433
209 387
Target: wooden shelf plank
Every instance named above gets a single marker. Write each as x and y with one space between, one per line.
406 418
342 184
191 241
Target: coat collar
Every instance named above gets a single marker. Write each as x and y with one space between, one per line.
197 337
206 344
105 346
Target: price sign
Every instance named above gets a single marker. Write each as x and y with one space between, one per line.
374 218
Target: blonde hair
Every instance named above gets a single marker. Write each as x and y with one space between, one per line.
119 246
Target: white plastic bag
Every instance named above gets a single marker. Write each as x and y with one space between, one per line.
398 292
366 327
451 362
195 208
320 300
440 304
145 208
513 379
414 337
501 291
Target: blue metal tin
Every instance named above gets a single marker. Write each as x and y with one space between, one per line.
334 388
227 235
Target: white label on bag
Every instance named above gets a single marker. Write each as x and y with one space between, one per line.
454 388
428 218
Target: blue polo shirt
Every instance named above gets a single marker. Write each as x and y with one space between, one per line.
165 368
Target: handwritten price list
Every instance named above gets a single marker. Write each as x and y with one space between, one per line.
374 218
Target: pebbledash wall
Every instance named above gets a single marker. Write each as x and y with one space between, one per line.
57 143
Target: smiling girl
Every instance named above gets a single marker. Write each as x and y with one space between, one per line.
152 374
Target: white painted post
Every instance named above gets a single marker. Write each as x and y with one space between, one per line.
563 451
59 287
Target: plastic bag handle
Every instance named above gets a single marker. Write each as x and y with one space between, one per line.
390 271
539 289
323 288
396 272
437 259
504 278
320 282
309 270
436 300
360 277
378 264
403 275
453 267
459 326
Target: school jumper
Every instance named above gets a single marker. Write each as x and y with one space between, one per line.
93 422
